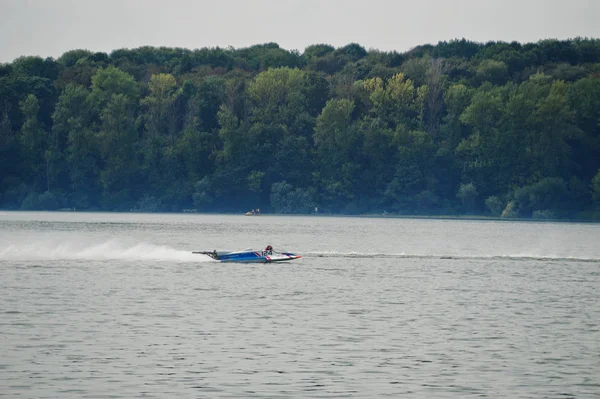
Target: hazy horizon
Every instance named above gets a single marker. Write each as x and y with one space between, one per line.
49 29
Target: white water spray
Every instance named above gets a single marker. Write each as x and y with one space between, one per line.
107 250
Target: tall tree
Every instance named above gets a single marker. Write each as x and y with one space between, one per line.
434 99
34 141
10 162
110 81
336 142
76 140
160 114
118 137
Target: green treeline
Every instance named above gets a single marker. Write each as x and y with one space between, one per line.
504 129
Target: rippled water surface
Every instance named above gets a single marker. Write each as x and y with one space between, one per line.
116 306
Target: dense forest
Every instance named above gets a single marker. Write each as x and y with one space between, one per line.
502 129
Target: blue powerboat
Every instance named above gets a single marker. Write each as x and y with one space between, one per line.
250 256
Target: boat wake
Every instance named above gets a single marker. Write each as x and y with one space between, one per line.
73 249
109 250
459 257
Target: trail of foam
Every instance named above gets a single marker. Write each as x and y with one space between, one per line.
141 251
109 250
466 257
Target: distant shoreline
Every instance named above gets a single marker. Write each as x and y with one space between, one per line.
329 215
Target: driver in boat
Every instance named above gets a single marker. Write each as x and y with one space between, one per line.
268 250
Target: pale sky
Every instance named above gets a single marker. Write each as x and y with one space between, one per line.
51 27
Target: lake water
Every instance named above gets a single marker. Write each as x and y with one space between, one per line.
116 306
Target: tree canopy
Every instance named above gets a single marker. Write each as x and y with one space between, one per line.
459 127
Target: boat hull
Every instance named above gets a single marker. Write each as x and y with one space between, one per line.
250 256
